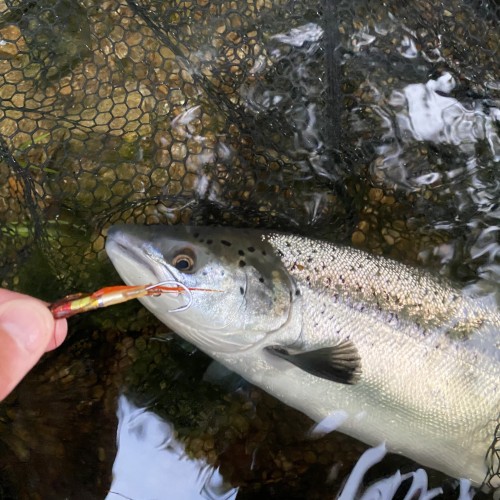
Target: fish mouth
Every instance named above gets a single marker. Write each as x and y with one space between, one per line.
127 251
138 262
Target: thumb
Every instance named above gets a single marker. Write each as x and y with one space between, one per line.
26 329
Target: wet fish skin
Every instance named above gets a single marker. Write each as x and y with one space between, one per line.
429 383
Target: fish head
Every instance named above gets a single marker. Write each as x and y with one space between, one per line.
248 293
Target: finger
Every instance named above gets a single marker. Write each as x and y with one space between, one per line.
61 325
60 331
26 328
6 295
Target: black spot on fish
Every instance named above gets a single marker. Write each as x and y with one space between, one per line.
241 252
251 249
209 242
297 292
225 242
261 279
241 290
263 252
242 263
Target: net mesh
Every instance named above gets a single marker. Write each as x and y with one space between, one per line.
245 113
275 113
144 118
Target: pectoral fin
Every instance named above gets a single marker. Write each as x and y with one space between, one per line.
340 363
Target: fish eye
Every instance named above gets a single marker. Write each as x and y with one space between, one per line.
184 261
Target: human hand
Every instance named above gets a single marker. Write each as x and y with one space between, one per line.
27 330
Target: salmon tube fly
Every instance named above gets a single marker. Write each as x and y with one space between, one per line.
109 296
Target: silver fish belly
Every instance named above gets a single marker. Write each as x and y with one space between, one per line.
400 355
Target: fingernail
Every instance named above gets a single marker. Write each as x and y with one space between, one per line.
25 323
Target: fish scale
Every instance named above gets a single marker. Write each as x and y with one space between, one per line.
396 353
386 285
